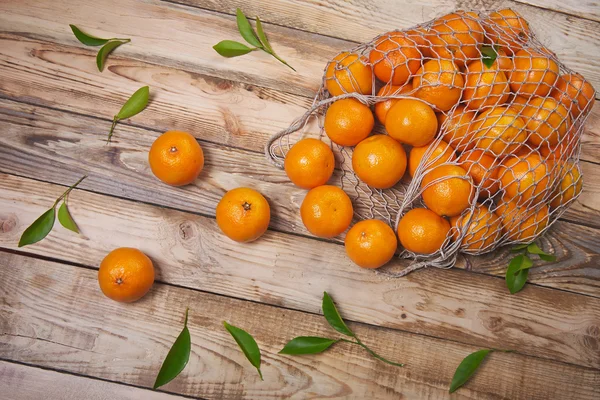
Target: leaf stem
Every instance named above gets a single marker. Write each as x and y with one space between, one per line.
281 60
371 352
112 128
66 193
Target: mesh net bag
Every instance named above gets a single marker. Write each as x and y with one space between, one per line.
509 119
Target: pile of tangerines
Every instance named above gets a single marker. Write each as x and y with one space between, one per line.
492 144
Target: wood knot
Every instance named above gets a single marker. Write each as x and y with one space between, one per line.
7 223
403 316
494 323
231 122
186 230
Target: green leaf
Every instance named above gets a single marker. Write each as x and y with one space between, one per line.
65 219
467 368
230 48
177 358
517 272
247 344
333 316
105 51
136 103
246 29
519 247
488 55
307 345
535 249
262 36
40 228
87 39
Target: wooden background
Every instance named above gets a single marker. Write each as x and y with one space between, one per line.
60 338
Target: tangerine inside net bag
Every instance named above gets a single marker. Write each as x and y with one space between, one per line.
491 122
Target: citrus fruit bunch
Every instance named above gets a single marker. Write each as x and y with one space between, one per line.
462 134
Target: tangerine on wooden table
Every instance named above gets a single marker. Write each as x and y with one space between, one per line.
570 185
371 243
547 120
508 29
349 73
309 163
422 231
439 82
412 122
483 228
483 168
524 179
326 211
440 153
447 190
176 158
243 214
348 121
382 108
125 275
395 58
577 94
379 161
484 86
457 37
498 130
520 223
455 126
534 74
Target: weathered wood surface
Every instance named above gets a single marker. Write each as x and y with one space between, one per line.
21 382
59 147
292 271
88 334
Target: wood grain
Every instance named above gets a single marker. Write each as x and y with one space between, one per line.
59 147
21 382
88 334
584 9
183 36
292 271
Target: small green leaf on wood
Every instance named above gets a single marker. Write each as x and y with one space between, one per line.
246 29
535 249
39 229
333 316
488 55
65 219
467 368
519 247
134 105
231 48
517 273
247 345
262 36
307 345
177 358
87 39
105 51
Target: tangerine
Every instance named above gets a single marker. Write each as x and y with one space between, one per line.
176 158
348 121
455 126
570 185
482 228
457 37
395 58
522 224
309 163
326 211
422 231
547 120
482 167
524 179
243 214
484 86
125 275
508 29
412 122
371 243
577 94
534 74
348 73
498 130
447 190
440 153
379 161
382 108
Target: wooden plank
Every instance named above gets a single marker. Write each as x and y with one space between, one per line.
21 382
583 9
293 272
58 147
127 342
182 36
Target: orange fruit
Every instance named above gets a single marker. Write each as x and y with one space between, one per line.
326 211
482 167
484 86
504 62
577 94
518 103
456 36
125 275
422 231
382 108
524 179
508 29
379 161
522 224
176 158
439 82
395 58
570 185
419 37
451 193
566 149
440 153
482 230
348 73
546 119
455 125
348 121
309 163
498 130
243 214
534 74
371 243
412 122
